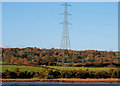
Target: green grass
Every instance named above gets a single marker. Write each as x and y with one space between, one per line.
22 68
82 68
27 68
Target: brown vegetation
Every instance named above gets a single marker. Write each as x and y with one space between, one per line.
66 80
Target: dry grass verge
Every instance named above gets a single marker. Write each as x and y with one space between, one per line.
65 80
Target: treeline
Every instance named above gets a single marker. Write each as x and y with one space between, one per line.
36 56
51 74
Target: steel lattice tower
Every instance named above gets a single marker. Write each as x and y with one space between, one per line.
65 42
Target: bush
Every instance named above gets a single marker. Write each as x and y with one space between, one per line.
6 74
68 74
52 73
82 74
91 74
115 74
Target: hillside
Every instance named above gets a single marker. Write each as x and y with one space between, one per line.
36 56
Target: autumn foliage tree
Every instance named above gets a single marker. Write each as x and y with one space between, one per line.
36 56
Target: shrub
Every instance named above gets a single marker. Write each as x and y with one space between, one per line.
82 74
52 73
6 74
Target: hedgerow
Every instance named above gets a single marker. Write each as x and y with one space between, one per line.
52 73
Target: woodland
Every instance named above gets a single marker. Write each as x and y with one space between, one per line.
53 57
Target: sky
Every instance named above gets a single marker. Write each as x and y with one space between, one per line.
37 24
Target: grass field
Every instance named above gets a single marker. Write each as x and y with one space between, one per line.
28 68
22 68
82 68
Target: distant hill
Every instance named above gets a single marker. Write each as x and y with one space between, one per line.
36 56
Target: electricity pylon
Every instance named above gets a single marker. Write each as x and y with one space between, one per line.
65 42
